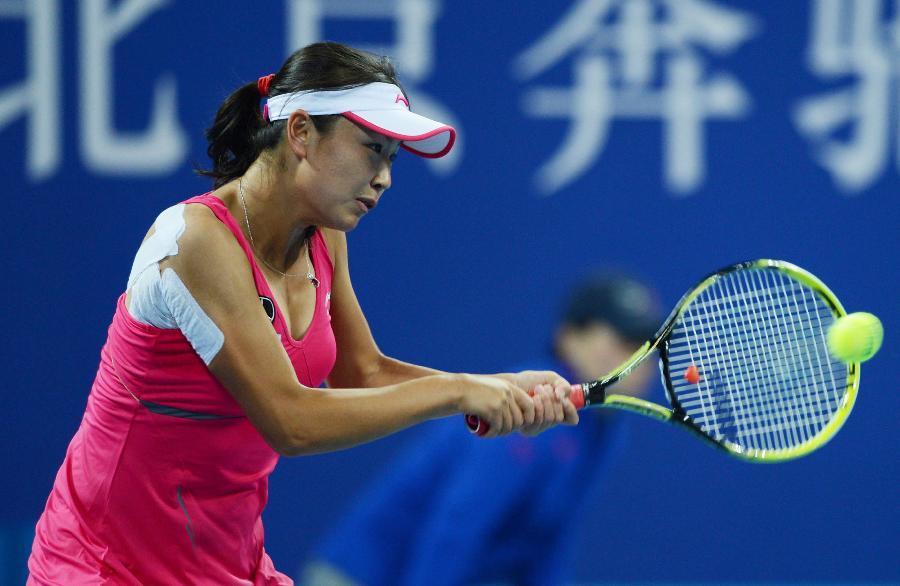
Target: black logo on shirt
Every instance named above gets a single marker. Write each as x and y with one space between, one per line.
269 307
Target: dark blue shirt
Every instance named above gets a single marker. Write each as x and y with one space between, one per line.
457 509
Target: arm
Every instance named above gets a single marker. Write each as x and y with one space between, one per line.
253 366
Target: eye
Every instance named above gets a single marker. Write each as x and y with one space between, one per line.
376 147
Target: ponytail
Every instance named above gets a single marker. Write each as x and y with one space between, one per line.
232 147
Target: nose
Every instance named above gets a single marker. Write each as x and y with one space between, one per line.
382 180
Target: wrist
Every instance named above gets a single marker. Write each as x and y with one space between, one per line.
455 385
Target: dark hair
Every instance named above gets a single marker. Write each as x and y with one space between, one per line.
624 303
239 133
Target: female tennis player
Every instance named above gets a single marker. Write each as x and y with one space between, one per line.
238 308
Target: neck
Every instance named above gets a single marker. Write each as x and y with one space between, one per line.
271 220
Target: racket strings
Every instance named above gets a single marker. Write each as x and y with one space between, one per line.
799 418
767 380
780 405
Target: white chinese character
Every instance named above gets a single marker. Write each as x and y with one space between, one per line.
105 149
412 50
636 59
162 147
850 38
39 96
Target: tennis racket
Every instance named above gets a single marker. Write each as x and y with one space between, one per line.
744 363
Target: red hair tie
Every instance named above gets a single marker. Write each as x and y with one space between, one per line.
263 83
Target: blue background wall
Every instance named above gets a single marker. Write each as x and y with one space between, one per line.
461 266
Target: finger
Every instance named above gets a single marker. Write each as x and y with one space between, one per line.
537 405
570 413
562 389
491 427
558 408
536 395
555 380
507 420
548 409
518 418
526 404
538 401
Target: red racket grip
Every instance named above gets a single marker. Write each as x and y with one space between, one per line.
480 427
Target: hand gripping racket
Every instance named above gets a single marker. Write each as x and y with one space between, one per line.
745 364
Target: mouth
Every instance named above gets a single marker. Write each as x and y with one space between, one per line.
366 204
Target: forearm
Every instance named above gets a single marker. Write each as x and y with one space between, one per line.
384 371
328 420
377 371
390 371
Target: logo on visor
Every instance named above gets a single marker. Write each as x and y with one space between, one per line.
400 98
269 307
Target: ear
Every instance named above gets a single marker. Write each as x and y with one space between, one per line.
299 132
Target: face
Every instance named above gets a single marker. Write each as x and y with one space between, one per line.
344 172
596 349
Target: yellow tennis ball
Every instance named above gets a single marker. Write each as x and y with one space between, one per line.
855 337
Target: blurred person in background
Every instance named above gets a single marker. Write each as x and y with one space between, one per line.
452 510
238 308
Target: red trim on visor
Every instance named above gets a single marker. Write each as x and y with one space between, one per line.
404 137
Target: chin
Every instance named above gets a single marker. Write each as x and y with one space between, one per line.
345 224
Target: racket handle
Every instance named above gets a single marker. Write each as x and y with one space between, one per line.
480 427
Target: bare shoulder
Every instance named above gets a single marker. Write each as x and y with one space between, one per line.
204 232
200 221
207 250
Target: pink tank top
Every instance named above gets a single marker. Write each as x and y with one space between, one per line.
165 480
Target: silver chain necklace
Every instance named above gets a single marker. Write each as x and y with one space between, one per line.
309 272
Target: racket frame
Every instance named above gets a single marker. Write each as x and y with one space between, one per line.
595 395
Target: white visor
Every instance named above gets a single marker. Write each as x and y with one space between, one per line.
380 107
